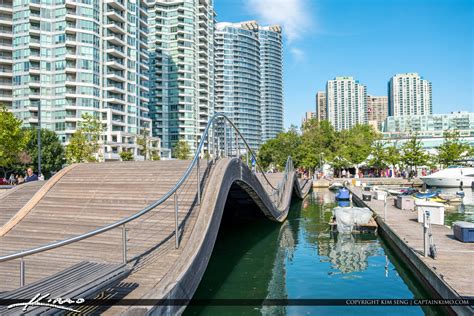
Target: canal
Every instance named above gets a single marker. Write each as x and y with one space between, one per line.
302 259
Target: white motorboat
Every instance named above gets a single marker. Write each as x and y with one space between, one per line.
455 177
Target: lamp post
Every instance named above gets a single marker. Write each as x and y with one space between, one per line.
39 139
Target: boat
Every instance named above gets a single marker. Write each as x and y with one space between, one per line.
336 186
450 198
353 219
426 195
343 195
453 177
402 191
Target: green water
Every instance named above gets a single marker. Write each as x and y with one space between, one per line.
302 259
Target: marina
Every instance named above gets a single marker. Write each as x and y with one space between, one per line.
304 259
450 274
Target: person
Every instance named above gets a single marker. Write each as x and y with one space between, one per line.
343 173
12 179
20 179
30 176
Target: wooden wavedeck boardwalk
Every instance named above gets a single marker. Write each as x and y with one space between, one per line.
451 274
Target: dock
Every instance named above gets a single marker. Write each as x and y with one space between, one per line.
401 182
450 275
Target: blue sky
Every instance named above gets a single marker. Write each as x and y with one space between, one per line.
370 40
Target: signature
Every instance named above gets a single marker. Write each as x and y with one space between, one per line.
43 300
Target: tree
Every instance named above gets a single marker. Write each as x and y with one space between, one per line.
84 144
126 155
52 152
318 140
393 156
276 151
453 149
144 143
379 156
413 154
13 139
181 150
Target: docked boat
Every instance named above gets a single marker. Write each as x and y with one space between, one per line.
450 198
426 195
335 186
343 195
454 177
402 191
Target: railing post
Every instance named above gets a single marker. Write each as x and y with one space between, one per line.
225 139
22 272
176 220
124 244
198 182
237 146
208 147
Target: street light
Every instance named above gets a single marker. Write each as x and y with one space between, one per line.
39 139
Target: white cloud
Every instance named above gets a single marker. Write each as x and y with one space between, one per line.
292 15
298 54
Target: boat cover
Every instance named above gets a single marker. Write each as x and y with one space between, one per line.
347 217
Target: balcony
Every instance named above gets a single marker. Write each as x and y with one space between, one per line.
115 14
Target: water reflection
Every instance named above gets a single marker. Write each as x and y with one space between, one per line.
302 258
346 254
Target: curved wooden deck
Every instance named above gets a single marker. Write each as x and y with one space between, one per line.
90 196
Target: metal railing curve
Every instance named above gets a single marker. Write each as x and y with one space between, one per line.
194 163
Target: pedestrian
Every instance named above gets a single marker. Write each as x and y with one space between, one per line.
30 176
12 180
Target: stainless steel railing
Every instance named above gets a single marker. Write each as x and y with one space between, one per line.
217 152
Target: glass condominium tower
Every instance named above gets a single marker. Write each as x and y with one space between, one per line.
181 50
271 72
75 57
346 102
409 94
249 83
238 80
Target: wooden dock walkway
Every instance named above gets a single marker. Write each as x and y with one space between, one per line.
454 264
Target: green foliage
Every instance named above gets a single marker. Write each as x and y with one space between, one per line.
181 150
379 156
393 156
85 142
318 140
52 152
13 138
453 149
144 143
126 156
276 151
413 154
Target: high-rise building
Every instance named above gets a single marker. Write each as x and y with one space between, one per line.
181 47
71 58
309 116
346 102
377 110
409 94
271 73
238 80
321 113
6 7
249 87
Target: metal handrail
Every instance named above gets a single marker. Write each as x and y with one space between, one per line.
150 207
